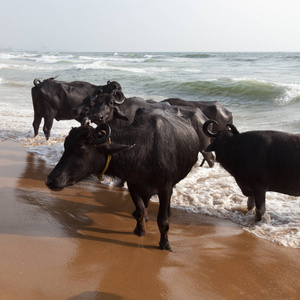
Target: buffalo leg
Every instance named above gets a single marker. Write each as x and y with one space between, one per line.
250 203
260 199
162 218
146 203
48 122
139 212
209 157
169 210
36 123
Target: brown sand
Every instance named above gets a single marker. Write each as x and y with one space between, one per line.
78 244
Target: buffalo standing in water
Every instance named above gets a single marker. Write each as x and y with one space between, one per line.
54 99
260 161
152 154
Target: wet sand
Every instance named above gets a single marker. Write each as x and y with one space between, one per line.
78 244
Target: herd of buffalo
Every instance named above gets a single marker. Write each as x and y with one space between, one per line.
153 145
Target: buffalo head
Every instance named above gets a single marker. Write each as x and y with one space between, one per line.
115 88
112 87
215 135
105 108
85 153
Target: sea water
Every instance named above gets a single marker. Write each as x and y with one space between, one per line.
262 90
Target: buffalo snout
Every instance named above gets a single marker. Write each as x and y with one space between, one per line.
53 184
97 119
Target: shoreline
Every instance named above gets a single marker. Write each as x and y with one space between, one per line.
78 244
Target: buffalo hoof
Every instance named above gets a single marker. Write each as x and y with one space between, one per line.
164 245
139 231
258 217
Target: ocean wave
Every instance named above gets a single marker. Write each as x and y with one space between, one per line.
23 56
86 57
138 55
240 88
91 66
100 65
296 56
291 94
8 56
4 66
197 55
24 67
128 59
53 59
44 58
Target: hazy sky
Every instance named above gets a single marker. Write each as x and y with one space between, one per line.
150 25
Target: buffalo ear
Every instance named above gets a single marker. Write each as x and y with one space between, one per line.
115 148
119 115
210 148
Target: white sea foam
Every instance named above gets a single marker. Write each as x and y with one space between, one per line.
23 67
291 93
100 65
7 56
51 59
94 65
48 151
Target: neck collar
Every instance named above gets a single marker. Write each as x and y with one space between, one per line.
106 165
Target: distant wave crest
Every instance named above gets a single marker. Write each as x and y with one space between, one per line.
242 88
197 55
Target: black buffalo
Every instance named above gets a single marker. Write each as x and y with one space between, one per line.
152 154
260 161
54 99
106 108
213 110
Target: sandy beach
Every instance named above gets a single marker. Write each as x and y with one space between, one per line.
78 244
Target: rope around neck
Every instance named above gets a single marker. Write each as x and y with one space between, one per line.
106 165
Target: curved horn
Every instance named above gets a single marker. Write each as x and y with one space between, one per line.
207 131
103 127
233 128
36 82
118 95
85 121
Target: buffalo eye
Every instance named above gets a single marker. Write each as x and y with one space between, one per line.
80 149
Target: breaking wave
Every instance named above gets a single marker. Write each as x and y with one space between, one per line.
238 88
197 55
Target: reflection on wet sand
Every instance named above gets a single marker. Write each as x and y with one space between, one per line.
78 244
